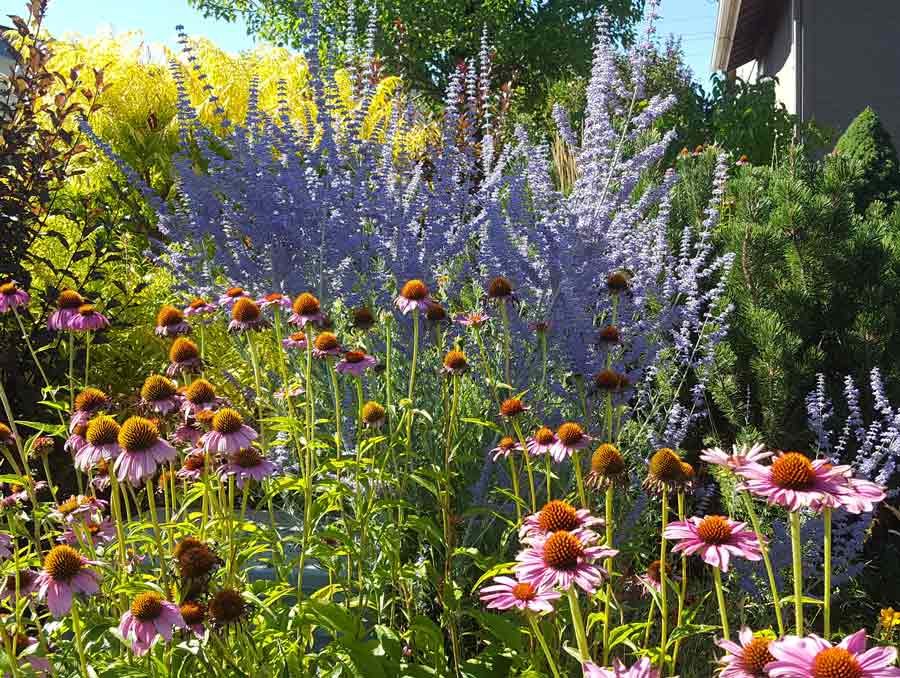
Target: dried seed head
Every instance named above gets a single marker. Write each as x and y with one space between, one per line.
227 607
192 612
499 288
435 313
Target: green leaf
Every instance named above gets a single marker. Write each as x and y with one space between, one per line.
502 568
508 633
624 633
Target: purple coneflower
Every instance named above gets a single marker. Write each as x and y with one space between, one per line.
76 440
455 363
199 396
78 508
247 464
743 160
715 538
505 593
355 363
564 559
102 443
414 295
38 665
557 515
88 319
643 669
665 471
142 451
512 407
245 316
65 572
814 657
652 578
794 482
474 319
232 294
373 414
188 432
274 299
11 297
100 532
506 447
859 496
747 660
150 617
170 322
27 584
325 345
740 456
6 544
193 466
362 318
194 614
306 309
159 394
67 305
297 340
184 357
541 442
101 480
87 404
229 433
569 437
199 307
607 468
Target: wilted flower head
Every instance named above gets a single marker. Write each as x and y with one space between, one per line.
32 662
362 318
306 309
67 305
11 297
435 313
195 560
88 319
184 357
227 608
505 593
618 281
170 322
499 289
609 381
609 335
194 614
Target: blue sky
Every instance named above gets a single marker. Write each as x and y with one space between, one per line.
693 20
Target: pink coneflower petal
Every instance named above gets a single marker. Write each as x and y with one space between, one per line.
812 657
506 447
564 559
715 538
506 593
642 669
795 482
11 297
747 660
355 363
557 515
739 456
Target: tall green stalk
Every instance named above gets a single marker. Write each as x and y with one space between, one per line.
826 516
608 508
527 457
536 629
720 596
770 572
798 572
578 625
79 641
412 379
663 608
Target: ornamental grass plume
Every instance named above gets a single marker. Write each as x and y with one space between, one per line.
170 322
229 433
12 297
65 572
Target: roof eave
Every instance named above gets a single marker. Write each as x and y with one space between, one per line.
726 26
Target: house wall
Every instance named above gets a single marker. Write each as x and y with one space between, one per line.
852 60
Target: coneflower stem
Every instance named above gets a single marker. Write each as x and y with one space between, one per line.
826 516
24 472
79 643
71 371
527 458
49 478
536 628
487 365
412 378
720 596
9 644
663 609
34 357
682 591
608 509
87 357
448 534
798 572
336 389
578 624
388 399
764 547
650 615
257 381
548 470
151 507
514 475
576 464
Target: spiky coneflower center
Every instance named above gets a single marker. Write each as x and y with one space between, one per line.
372 412
194 462
363 318
183 350
607 380
609 334
102 430
247 457
653 571
8 289
227 607
234 292
306 304
192 612
197 562
756 655
714 530
147 606
687 471
455 360
298 337
836 662
793 471
227 421
511 407
435 313
197 303
607 460
499 288
62 563
91 399
414 290
327 342
562 550
557 515
245 311
354 356
523 591
186 545
5 432
274 296
169 315
506 443
617 282
86 310
138 434
200 392
544 436
570 434
204 418
69 299
72 504
665 464
157 387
